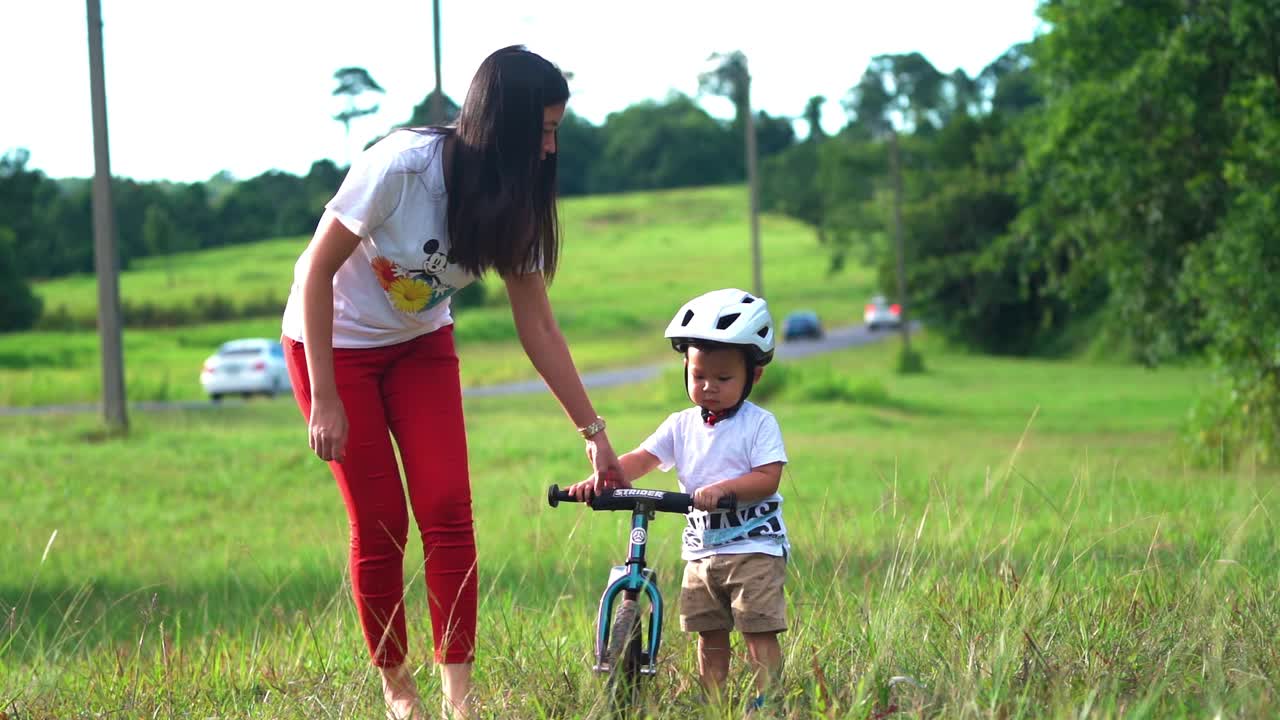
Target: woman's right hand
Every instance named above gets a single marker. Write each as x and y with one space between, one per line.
583 491
327 429
608 471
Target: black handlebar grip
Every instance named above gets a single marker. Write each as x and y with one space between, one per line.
728 502
555 496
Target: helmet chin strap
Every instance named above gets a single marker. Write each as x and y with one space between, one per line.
711 418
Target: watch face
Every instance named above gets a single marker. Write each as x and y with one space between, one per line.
593 428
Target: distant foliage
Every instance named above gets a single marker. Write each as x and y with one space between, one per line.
19 306
52 220
1156 168
202 308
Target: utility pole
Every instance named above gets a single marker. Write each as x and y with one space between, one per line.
753 185
437 97
105 261
895 163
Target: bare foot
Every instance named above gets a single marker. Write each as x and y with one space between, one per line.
456 681
401 694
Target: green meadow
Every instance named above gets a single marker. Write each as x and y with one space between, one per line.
628 263
1020 538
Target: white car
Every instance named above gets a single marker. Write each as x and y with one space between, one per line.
879 313
245 367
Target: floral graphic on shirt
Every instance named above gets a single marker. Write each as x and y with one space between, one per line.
409 295
413 290
385 270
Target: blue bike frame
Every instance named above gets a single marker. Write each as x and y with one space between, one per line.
630 580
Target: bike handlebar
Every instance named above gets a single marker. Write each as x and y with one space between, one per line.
628 498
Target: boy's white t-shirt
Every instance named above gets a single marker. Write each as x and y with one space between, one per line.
397 284
702 455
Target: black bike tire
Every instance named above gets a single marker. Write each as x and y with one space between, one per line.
624 655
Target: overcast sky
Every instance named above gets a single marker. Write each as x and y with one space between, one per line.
194 88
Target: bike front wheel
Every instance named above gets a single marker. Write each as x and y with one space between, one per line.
625 655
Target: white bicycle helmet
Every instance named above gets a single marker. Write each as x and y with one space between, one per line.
725 317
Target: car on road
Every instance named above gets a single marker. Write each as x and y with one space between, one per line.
251 366
802 324
880 313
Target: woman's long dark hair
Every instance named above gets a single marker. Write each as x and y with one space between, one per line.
502 194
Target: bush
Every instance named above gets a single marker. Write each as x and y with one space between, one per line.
910 362
826 385
776 378
19 306
58 319
812 384
473 295
1225 427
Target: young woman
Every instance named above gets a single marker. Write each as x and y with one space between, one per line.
369 341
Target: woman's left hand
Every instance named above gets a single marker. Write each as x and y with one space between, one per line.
604 463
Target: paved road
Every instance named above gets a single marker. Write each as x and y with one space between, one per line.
835 339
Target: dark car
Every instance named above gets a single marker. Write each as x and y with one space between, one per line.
802 324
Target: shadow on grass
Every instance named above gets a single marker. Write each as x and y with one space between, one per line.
48 619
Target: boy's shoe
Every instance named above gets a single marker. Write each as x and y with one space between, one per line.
755 707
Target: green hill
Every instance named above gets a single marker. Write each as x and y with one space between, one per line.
628 262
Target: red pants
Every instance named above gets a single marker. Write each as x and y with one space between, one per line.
412 391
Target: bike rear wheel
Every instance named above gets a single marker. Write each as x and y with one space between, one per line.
625 655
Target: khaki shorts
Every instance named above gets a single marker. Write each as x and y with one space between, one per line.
722 592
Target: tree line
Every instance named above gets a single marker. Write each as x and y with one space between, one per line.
46 226
1119 175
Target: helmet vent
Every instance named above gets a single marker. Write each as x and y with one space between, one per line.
727 320
688 315
747 299
763 332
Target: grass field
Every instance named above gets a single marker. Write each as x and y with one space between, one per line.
629 262
1023 538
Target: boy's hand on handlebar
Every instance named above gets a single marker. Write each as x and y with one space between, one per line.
708 497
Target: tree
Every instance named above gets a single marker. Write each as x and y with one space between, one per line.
353 83
1153 171
321 183
19 306
422 112
160 236
774 134
1007 85
903 92
813 118
731 79
899 91
667 144
578 151
970 274
22 192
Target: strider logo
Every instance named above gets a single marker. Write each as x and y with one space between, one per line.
638 536
637 492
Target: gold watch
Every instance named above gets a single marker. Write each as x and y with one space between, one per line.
592 429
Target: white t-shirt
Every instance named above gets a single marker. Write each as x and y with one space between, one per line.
703 455
397 284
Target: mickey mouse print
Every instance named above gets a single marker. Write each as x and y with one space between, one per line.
412 291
